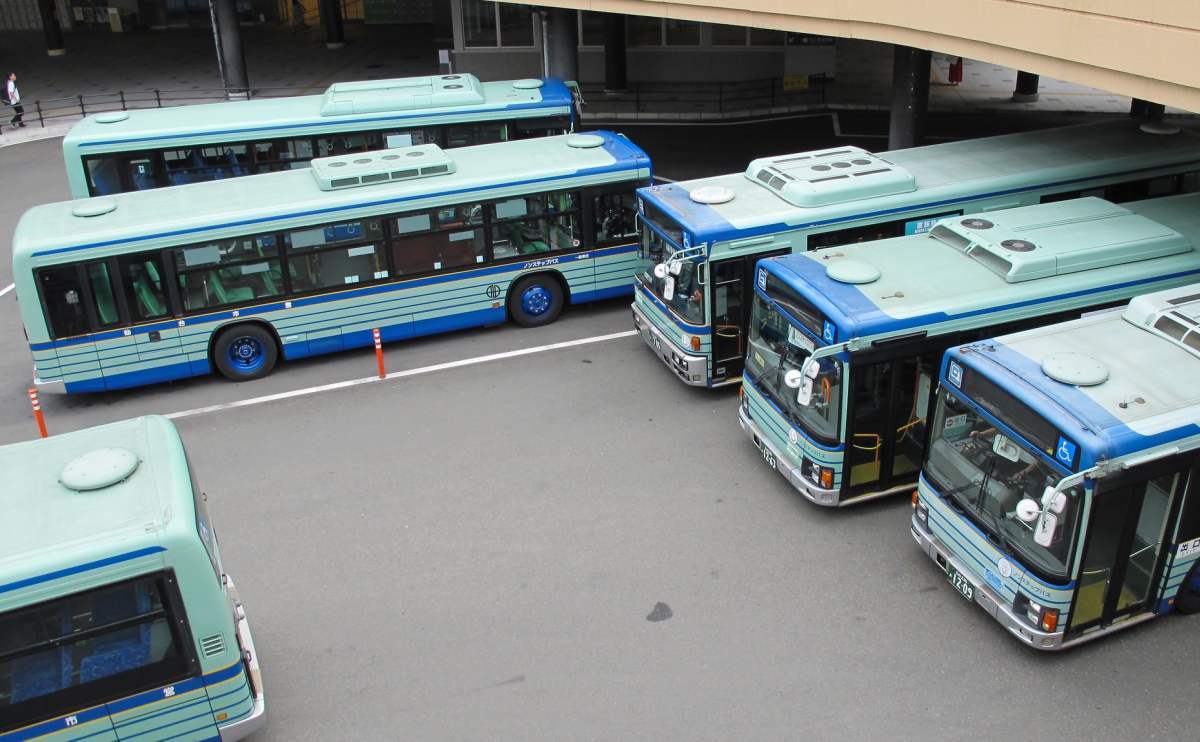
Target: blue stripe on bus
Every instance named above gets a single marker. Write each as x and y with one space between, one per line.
632 165
48 576
209 722
151 696
161 712
690 329
729 232
549 107
278 305
824 447
59 724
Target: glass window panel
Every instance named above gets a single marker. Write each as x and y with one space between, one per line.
591 28
141 173
516 24
342 266
332 234
103 297
520 207
63 299
682 33
766 37
643 31
479 23
435 251
144 286
615 216
104 176
282 154
229 272
723 35
455 217
411 137
199 164
413 223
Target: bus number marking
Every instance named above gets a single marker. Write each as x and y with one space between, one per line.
71 721
168 691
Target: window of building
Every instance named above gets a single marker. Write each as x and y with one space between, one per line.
489 24
681 33
591 28
643 31
723 35
335 255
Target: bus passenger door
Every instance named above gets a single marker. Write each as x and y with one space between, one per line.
732 290
1124 546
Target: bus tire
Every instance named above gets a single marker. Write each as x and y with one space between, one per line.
1188 599
535 300
245 352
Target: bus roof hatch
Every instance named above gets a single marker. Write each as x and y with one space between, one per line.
402 94
830 176
380 166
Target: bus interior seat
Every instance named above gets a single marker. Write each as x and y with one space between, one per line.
121 650
234 166
224 295
151 304
40 674
104 177
415 255
143 179
106 310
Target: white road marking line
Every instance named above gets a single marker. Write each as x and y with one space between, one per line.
398 374
7 288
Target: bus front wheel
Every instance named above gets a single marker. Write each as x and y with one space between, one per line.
245 352
535 300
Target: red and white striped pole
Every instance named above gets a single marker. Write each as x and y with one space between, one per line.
37 412
379 352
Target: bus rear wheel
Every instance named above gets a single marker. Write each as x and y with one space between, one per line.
245 352
535 300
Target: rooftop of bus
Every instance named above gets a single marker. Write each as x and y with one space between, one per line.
939 172
165 212
47 527
1149 396
924 281
372 98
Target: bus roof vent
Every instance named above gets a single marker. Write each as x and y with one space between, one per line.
852 271
401 94
1060 238
1172 315
1076 369
381 166
830 176
713 194
111 117
98 469
93 207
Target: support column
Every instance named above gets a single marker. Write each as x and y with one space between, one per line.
1152 119
51 29
331 18
614 52
910 97
1027 87
562 43
228 38
1137 108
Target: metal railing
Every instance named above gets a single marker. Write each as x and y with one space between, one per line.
721 98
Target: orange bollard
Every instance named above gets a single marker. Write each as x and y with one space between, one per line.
379 352
37 412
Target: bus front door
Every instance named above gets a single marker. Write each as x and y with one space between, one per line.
732 291
889 404
1124 550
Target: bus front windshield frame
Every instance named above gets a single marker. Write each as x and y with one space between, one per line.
778 345
985 472
682 289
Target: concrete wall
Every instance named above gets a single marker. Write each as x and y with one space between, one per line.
1148 50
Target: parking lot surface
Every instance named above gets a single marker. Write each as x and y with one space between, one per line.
570 544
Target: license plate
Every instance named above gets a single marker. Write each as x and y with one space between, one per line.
766 453
960 583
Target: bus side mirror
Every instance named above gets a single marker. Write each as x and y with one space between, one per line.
804 397
1028 510
668 290
1043 534
793 377
660 271
674 267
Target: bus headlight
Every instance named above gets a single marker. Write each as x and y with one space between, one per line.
1035 613
921 509
822 476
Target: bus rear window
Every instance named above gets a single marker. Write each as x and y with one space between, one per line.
88 648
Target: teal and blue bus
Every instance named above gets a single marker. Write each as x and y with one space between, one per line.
1061 489
703 237
845 342
134 150
236 274
117 618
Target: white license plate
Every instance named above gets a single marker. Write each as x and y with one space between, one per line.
766 453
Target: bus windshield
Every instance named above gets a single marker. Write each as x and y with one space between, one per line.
776 347
985 473
681 289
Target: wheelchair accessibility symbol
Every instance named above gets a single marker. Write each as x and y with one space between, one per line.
493 291
829 332
1065 452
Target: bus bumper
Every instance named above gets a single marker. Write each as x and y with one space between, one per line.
50 386
246 726
777 461
985 596
692 370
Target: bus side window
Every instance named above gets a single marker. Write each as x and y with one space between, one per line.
103 299
104 175
1189 519
228 272
62 295
614 217
144 288
282 154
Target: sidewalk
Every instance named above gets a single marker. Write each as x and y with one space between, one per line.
180 65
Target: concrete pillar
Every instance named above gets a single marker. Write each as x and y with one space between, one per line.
1137 108
331 18
51 29
1027 87
614 52
562 43
910 97
228 38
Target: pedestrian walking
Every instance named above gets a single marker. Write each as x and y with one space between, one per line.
13 95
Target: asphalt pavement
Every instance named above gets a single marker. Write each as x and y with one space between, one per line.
571 545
